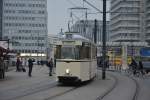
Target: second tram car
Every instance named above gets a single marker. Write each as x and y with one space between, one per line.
75 59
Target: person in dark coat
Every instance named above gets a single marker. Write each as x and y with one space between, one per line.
50 66
30 65
141 67
2 68
133 66
18 64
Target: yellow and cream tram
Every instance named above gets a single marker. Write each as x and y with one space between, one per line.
75 59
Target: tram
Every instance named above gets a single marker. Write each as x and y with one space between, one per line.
75 59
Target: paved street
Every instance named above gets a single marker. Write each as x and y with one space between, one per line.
18 86
144 93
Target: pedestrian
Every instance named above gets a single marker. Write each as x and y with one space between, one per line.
23 65
141 67
133 66
30 65
18 64
2 68
50 66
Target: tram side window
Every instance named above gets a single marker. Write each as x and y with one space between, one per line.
94 52
58 52
77 55
85 53
88 52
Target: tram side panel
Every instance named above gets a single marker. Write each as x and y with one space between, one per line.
94 68
85 71
88 70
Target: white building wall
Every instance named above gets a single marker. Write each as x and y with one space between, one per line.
25 24
125 23
147 20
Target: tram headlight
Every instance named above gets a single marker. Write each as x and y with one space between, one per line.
67 71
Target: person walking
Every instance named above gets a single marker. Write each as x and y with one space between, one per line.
2 68
23 65
50 66
30 65
133 66
141 67
18 64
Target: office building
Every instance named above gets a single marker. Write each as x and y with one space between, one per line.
25 25
147 20
1 16
126 20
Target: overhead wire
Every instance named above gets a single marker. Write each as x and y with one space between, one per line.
78 8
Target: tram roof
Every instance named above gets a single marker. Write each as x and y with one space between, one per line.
74 36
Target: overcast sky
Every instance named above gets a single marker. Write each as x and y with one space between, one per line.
59 13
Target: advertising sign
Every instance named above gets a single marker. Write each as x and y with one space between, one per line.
145 51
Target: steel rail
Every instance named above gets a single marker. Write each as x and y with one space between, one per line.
67 91
33 91
135 96
38 84
110 90
60 94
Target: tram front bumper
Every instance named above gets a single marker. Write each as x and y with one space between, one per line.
68 79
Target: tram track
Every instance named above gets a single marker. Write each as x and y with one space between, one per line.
68 90
51 87
135 96
60 94
38 84
32 91
137 89
61 90
109 91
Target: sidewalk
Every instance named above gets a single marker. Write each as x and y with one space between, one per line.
38 71
10 68
12 77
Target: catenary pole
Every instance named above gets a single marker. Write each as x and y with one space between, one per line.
95 31
104 40
103 35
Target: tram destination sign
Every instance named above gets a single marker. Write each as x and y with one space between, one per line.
68 42
72 42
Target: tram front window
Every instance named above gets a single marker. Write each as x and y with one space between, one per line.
67 53
73 52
